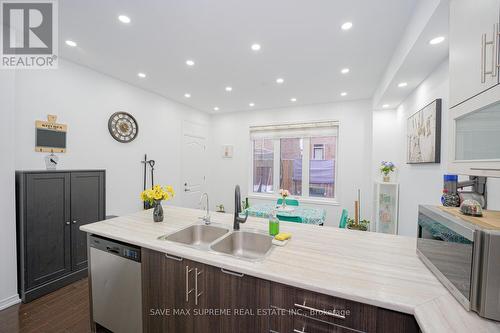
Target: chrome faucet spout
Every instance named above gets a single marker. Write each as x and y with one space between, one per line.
205 218
237 209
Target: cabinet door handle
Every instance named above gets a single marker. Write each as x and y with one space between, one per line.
483 56
169 256
74 222
322 312
196 273
67 222
493 44
188 291
485 169
496 46
232 273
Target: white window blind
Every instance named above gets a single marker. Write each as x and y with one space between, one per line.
316 129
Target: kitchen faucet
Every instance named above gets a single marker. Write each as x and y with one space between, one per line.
205 218
237 209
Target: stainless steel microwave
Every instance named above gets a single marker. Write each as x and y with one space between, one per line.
464 256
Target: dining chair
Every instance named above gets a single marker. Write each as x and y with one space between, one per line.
343 218
286 218
289 202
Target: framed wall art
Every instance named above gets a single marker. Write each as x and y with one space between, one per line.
424 135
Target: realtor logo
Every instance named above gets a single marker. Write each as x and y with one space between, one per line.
29 34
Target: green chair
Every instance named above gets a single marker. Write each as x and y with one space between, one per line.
289 202
296 219
343 218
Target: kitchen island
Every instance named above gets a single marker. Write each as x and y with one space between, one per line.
376 271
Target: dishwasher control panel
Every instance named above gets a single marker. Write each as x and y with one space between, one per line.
118 248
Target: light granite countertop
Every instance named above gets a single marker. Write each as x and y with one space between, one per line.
372 268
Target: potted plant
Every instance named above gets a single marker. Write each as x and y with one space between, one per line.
362 225
386 168
154 197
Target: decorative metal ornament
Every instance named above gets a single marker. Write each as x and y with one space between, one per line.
123 127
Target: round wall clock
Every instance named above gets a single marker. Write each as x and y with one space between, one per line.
123 127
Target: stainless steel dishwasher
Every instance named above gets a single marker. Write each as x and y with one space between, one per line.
115 273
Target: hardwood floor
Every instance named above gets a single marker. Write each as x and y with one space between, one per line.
65 310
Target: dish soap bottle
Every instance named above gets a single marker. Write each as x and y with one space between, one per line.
274 224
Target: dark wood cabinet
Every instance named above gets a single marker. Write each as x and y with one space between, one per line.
47 235
181 295
246 296
87 206
167 288
299 310
51 205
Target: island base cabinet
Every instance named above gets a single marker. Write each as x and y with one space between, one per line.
246 297
165 308
297 310
180 295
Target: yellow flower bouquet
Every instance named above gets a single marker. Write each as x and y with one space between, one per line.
154 196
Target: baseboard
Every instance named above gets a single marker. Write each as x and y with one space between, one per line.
9 301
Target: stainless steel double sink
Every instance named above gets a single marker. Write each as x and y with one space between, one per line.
250 245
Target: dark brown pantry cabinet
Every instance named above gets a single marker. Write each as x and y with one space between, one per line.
51 206
181 295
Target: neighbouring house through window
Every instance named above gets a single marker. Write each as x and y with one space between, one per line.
280 153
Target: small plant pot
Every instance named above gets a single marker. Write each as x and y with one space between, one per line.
387 179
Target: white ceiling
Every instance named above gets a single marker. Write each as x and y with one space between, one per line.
419 58
301 42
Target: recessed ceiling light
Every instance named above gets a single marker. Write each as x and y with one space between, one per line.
190 62
124 18
71 43
346 26
345 70
402 84
255 47
251 105
280 80
385 106
343 94
293 99
228 88
187 95
436 40
141 75
216 108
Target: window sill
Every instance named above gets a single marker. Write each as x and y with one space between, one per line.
316 201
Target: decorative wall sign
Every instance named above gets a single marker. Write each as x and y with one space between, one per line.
424 134
227 151
50 136
123 127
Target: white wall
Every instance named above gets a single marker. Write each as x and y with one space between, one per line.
354 151
84 100
385 131
8 276
419 184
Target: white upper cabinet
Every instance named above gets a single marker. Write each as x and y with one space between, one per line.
475 136
474 48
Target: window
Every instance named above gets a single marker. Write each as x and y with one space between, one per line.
318 151
291 165
322 167
303 157
263 156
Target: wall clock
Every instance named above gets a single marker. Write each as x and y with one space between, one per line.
123 127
